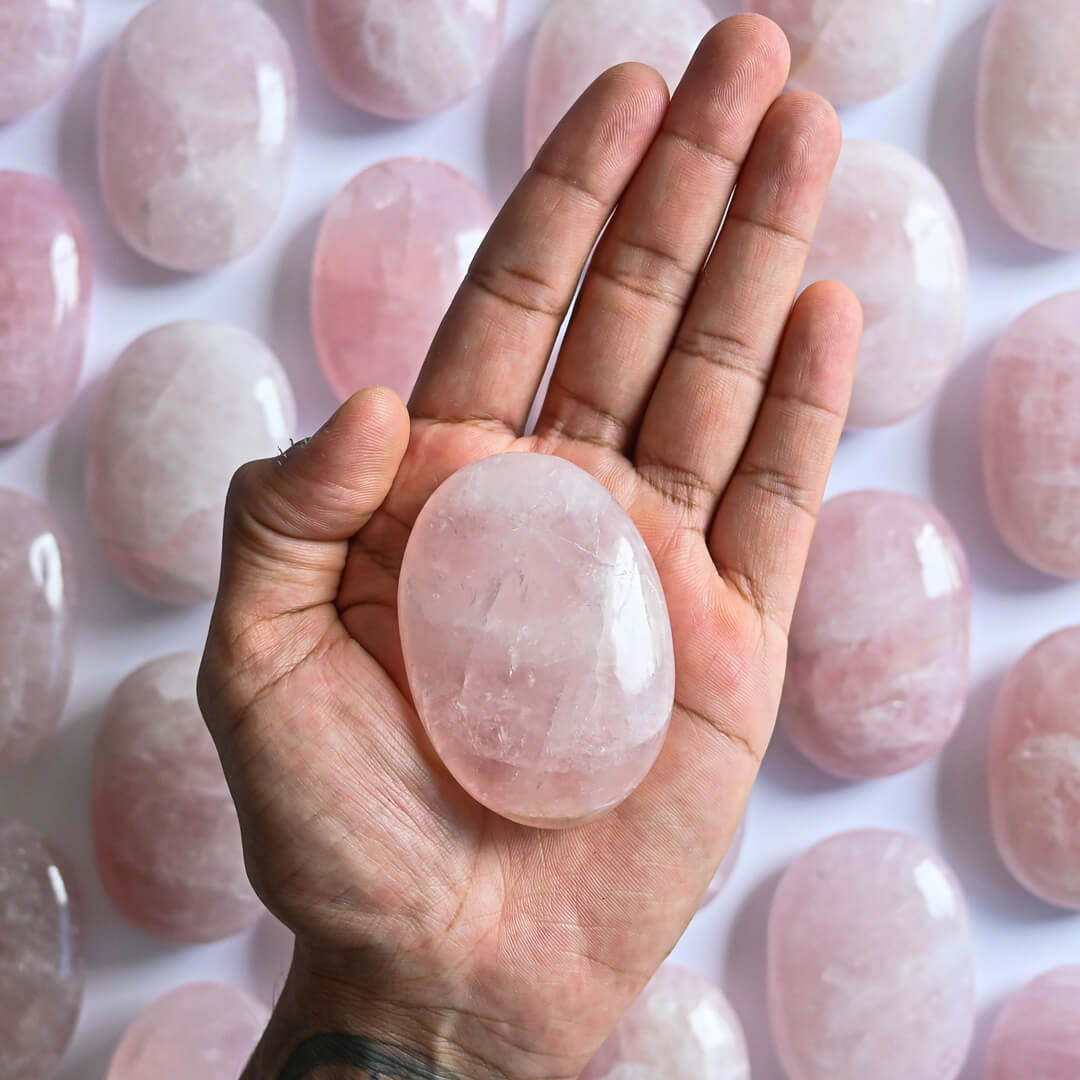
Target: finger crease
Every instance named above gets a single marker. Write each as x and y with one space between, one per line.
574 184
714 155
740 742
781 485
620 428
802 404
724 351
641 285
679 485
777 232
531 299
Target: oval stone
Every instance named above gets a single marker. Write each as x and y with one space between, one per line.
680 1028
39 41
197 111
889 231
1035 770
1037 1034
1031 436
879 646
1028 116
406 60
870 962
393 249
37 625
536 639
165 829
44 302
182 408
727 867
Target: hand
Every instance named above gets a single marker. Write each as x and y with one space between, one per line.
711 407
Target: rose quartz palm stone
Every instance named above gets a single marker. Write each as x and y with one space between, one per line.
39 41
1037 1034
870 962
165 828
393 249
536 639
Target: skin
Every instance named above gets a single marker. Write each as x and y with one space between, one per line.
431 934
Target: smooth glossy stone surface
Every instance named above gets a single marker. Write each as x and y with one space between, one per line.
198 106
680 1028
1035 770
182 408
727 867
204 1031
878 659
1028 116
536 639
870 962
393 249
890 232
1031 436
37 625
44 301
1037 1034
39 40
579 41
165 828
41 956
406 59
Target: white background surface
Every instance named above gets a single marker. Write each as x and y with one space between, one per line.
933 455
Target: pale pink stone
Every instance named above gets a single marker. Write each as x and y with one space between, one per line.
870 962
196 121
727 867
536 639
579 41
204 1031
41 955
393 249
165 828
44 301
1028 117
180 411
39 40
680 1028
1031 436
879 647
1037 1034
1035 770
406 59
890 232
37 625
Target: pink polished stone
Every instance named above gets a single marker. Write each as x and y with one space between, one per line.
406 60
197 112
204 1031
393 249
890 232
680 1028
180 411
165 828
44 301
1035 770
1031 436
870 962
41 957
536 639
1037 1034
39 40
37 625
577 42
727 867
1028 116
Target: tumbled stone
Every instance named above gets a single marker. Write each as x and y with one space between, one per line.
182 408
727 867
680 1028
536 639
879 647
37 625
1027 118
41 955
870 962
1037 1034
1031 436
889 231
165 828
44 301
393 249
198 106
39 40
1035 770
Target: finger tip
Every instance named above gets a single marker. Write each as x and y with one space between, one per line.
757 36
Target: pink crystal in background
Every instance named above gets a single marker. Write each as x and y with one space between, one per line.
1037 1034
165 828
39 41
406 59
878 658
536 639
393 249
870 962
727 867
44 300
195 130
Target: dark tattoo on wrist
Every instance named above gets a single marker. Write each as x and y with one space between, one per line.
376 1060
